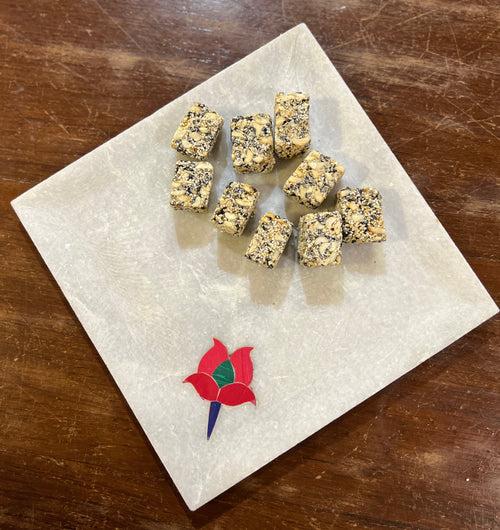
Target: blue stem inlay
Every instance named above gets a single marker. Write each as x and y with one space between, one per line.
212 417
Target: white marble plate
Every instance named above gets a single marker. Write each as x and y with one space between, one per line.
152 286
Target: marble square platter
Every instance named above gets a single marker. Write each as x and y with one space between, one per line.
152 286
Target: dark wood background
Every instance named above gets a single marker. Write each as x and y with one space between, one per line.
423 453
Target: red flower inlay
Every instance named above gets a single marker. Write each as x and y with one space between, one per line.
223 379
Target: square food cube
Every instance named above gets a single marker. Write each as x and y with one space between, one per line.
235 207
269 240
315 177
197 133
320 239
291 124
252 140
361 211
191 185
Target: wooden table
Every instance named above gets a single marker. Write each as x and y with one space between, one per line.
423 452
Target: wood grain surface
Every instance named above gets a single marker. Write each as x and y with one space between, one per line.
421 454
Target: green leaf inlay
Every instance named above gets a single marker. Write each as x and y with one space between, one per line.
224 374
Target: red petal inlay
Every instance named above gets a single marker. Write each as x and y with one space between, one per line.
242 364
205 386
235 394
216 355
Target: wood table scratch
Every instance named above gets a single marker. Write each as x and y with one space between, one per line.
422 453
